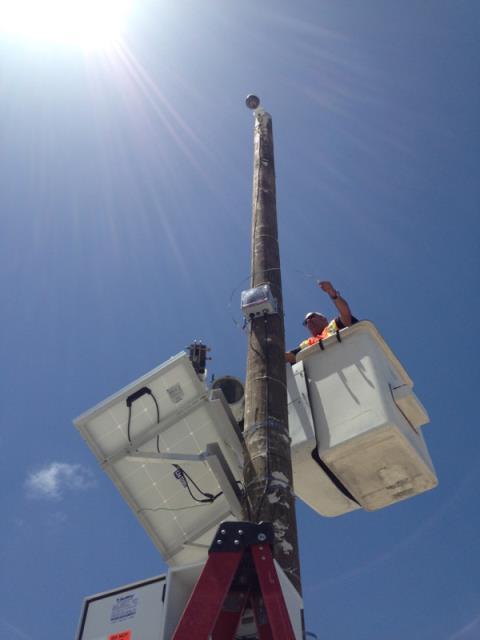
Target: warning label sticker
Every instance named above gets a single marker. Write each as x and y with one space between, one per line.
176 393
123 635
124 607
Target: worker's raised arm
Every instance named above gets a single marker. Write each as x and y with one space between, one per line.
340 303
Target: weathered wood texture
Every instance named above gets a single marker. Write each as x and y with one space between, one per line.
268 467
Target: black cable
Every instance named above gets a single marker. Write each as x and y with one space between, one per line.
185 478
192 506
180 473
136 395
206 495
156 405
182 476
158 421
128 423
187 486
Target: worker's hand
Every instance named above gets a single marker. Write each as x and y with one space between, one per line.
327 286
290 357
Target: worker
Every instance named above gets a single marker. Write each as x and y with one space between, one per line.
319 326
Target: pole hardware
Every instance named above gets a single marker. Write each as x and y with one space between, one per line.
197 352
231 536
258 302
239 574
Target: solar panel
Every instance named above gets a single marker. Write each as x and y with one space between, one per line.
173 421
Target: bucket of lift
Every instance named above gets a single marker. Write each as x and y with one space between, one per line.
355 425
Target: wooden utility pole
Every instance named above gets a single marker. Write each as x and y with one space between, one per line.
268 465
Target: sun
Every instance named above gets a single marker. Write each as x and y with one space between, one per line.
83 23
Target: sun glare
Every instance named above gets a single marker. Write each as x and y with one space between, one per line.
83 23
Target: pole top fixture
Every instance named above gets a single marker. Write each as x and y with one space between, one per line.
252 101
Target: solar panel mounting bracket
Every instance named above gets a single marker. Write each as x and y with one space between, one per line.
156 428
214 457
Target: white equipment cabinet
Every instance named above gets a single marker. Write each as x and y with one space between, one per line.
133 612
151 609
351 404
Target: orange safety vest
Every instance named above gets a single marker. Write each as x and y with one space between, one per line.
330 330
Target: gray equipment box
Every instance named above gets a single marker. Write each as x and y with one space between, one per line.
132 612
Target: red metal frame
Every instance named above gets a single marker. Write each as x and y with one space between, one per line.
214 609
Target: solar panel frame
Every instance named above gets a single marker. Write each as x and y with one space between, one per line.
191 417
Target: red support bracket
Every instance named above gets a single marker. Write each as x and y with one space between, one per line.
239 571
271 592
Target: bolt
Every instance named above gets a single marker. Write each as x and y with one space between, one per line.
219 541
223 532
240 532
237 542
262 537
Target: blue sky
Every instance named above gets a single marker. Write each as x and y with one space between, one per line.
125 192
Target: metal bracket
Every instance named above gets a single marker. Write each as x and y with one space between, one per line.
244 575
234 536
213 455
155 429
